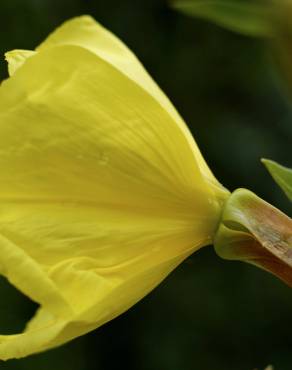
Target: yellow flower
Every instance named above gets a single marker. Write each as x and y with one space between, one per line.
103 189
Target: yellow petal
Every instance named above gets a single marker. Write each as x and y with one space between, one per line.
101 195
16 58
85 32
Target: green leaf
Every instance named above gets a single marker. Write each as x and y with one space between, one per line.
251 19
282 175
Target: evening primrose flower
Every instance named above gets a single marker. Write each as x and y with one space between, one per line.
103 189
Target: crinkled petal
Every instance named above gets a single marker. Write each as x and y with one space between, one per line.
46 331
16 58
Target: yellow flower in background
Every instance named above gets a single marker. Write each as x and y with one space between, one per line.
103 189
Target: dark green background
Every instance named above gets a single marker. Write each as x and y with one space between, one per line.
209 314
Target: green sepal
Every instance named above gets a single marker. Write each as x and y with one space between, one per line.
282 175
250 19
251 230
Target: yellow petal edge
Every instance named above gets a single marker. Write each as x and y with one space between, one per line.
103 189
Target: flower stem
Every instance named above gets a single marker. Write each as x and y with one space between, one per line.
253 231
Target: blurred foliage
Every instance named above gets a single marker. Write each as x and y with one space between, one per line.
267 19
247 18
209 314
